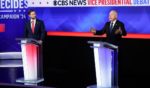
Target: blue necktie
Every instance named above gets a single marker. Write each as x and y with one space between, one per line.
111 26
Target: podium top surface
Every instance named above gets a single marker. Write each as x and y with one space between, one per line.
97 44
28 40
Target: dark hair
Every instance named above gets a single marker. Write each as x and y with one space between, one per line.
29 12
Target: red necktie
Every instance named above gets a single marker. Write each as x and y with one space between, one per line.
33 26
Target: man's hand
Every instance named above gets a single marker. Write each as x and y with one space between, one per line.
118 31
92 30
40 41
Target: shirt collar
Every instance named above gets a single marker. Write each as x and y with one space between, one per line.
114 21
33 20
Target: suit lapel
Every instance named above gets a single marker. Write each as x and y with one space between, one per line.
115 25
36 24
29 26
35 28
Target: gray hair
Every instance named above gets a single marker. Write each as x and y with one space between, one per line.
114 11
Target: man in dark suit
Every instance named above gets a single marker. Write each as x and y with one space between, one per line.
114 29
35 28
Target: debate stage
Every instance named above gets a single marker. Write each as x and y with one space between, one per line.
69 63
68 60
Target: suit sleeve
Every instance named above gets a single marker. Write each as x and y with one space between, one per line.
102 31
25 31
124 33
43 32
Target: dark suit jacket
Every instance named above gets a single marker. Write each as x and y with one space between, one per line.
39 31
111 37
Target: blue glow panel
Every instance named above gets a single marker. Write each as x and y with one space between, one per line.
136 19
72 19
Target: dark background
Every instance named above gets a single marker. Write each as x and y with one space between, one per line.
69 62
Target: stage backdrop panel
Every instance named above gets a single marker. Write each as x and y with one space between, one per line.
66 18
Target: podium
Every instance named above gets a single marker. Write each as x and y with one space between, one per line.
106 64
32 61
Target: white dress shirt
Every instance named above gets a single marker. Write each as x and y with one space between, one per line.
114 22
32 21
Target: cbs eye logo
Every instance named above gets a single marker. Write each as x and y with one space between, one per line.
69 2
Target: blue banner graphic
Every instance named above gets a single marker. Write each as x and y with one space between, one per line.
13 14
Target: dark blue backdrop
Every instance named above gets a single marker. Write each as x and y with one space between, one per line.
73 19
136 19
